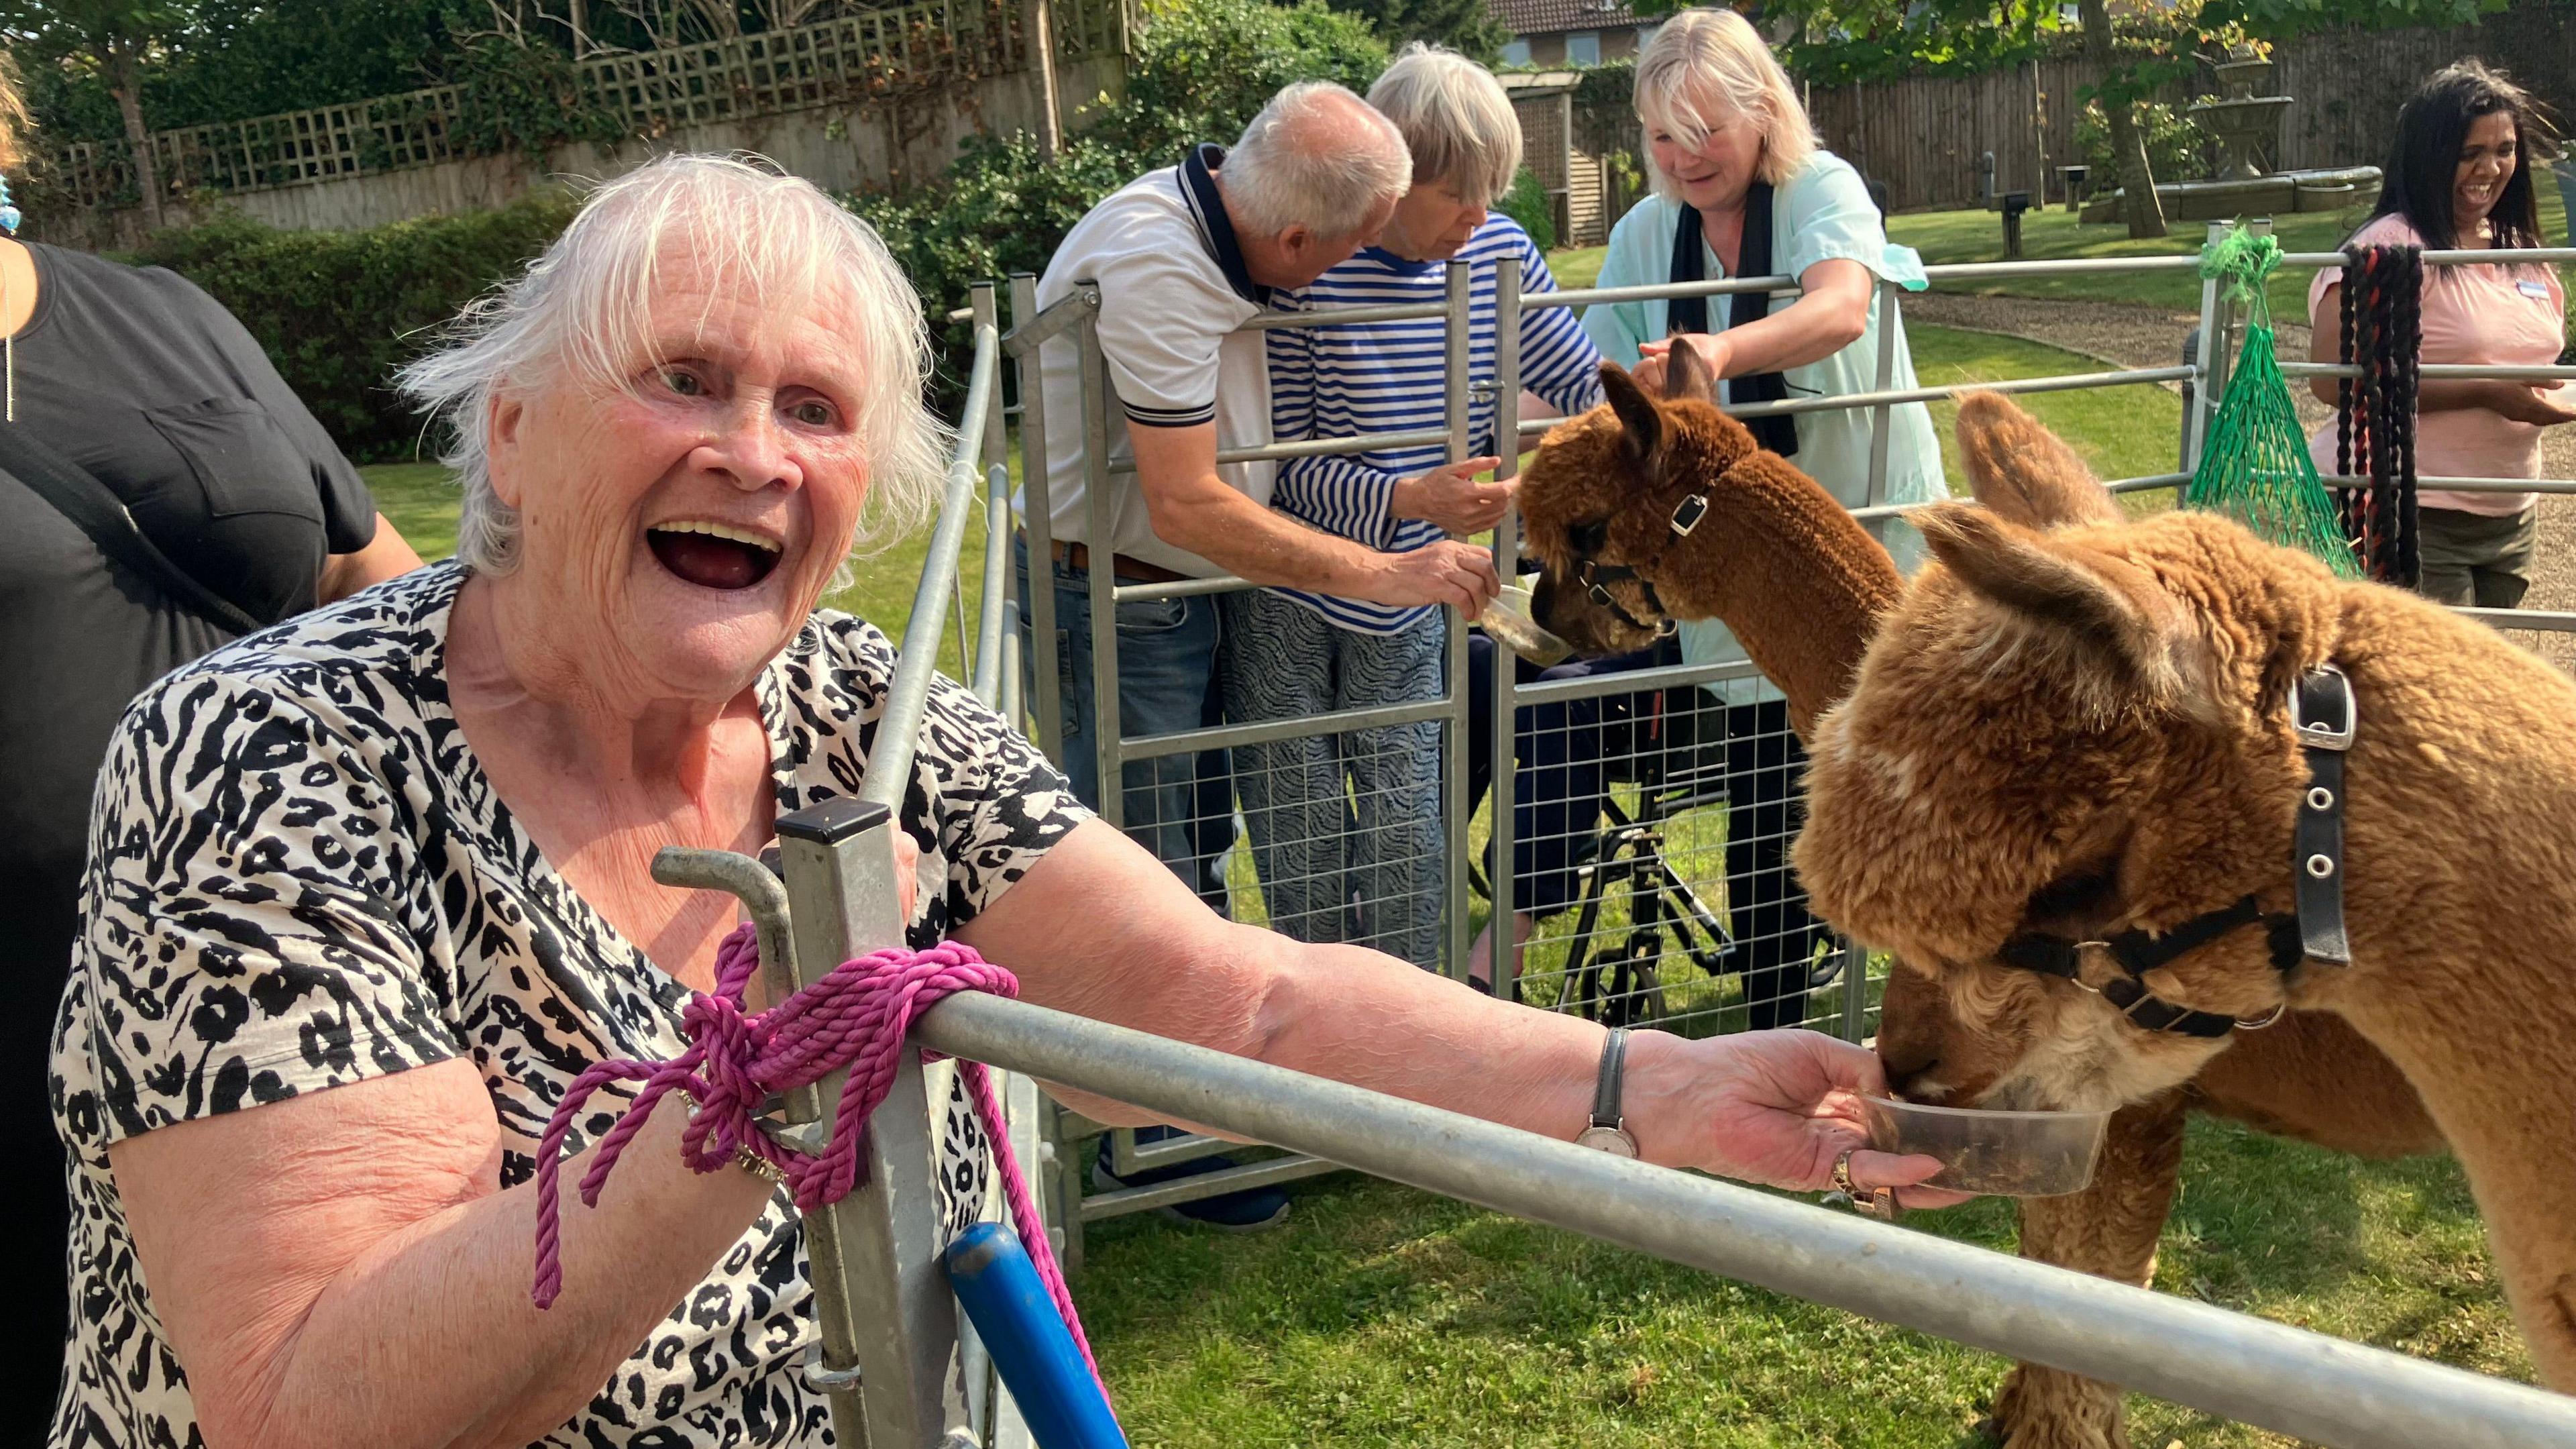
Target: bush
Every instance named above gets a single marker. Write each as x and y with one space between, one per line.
1202 68
2177 148
338 311
1529 204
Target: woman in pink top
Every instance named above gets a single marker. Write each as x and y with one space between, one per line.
2459 176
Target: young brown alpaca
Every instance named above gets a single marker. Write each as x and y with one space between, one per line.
2082 730
1802 585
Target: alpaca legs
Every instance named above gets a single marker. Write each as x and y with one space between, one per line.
2108 1230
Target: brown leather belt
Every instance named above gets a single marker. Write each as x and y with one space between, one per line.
1077 555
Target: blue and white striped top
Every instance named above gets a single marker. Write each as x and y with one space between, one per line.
1347 381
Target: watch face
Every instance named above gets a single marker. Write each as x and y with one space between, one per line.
1607 1139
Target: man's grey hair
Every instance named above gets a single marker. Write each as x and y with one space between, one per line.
1319 157
1456 120
582 315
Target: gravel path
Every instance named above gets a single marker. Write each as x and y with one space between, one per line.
2132 336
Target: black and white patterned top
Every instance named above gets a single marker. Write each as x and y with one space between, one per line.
299 877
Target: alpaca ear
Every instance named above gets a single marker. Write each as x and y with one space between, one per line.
1687 377
2024 472
1637 412
2098 609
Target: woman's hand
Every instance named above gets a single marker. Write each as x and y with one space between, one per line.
2543 405
1450 498
1773 1107
1656 358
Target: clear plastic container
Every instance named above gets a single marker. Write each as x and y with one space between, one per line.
2007 1154
1509 620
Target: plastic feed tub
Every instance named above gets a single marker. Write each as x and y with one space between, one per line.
1509 620
2007 1154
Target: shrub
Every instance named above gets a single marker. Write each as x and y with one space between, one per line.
2177 148
1202 68
338 311
1529 204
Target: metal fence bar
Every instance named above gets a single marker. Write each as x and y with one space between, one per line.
2268 1374
2463 485
2440 371
1504 960
989 615
1028 336
2068 382
1226 737
1458 359
2204 370
890 764
1100 580
1327 447
2551 621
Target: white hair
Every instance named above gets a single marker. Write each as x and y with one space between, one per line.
1317 157
1701 57
1456 121
582 313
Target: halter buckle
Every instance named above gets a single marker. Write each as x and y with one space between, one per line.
1688 513
2314 736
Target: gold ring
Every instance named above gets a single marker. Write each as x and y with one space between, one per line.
1843 1178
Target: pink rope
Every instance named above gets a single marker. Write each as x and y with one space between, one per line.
854 1017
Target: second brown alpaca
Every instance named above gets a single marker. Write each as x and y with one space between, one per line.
1803 586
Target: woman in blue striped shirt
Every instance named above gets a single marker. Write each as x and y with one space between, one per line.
1346 829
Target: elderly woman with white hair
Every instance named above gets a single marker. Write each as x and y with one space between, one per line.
1291 652
1741 189
369 889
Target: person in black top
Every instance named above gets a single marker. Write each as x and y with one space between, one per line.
162 397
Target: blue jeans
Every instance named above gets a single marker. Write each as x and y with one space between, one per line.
1180 807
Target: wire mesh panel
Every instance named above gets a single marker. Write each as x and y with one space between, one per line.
1650 847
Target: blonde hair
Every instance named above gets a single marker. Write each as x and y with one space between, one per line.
1456 121
1703 57
582 312
15 122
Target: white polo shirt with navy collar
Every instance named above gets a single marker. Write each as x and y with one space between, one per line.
1173 289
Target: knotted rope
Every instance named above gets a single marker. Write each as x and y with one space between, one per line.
854 1017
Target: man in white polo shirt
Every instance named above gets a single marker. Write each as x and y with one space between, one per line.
1183 257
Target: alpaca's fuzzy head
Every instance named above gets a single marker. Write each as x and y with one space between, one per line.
1602 489
2070 725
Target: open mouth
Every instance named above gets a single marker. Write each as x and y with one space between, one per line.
712 555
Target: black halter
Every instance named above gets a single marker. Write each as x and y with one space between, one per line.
1594 575
2322 715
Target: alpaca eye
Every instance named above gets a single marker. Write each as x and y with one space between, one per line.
1589 537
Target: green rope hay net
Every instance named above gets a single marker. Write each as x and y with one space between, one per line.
2254 465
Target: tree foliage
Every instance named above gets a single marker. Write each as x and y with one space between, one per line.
1465 26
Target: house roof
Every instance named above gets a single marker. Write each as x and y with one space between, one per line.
1549 17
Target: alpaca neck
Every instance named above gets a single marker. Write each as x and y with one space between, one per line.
1800 582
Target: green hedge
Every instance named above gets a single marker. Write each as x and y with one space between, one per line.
338 311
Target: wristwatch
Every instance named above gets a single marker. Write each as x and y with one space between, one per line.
1608 1130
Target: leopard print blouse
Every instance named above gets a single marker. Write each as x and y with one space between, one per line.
299 878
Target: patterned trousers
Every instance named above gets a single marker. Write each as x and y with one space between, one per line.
1345 828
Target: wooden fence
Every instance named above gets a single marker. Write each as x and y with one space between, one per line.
880 55
1923 135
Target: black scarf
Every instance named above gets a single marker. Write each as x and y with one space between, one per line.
1690 314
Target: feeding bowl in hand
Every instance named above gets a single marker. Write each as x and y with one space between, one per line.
1509 620
2006 1154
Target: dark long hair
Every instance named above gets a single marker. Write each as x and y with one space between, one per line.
2424 160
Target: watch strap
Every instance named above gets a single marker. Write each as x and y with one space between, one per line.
1605 1097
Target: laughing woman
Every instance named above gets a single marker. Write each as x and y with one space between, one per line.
2460 175
368 890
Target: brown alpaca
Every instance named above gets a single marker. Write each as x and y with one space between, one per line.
1802 585
2082 730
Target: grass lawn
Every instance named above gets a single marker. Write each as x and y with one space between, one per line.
1379 1315
1976 235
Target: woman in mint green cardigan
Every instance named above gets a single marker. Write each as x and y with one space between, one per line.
1741 189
